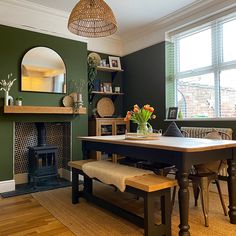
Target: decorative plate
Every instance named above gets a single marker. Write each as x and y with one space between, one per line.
105 107
95 56
68 101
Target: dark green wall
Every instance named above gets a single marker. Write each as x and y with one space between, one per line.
144 76
14 43
144 82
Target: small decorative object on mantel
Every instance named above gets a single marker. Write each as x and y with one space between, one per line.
140 116
18 101
68 101
76 95
79 103
6 86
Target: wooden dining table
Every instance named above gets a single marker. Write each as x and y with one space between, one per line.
178 151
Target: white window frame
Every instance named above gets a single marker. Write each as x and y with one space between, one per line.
217 66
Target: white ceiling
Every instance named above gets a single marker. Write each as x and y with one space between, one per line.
130 14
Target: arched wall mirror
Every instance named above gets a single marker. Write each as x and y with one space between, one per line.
43 70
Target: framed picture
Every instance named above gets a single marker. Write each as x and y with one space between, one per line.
172 113
107 87
114 62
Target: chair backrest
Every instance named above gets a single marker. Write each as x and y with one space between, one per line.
214 134
185 133
202 132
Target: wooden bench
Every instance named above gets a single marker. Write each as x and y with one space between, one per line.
149 187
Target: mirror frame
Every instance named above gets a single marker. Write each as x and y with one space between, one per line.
65 72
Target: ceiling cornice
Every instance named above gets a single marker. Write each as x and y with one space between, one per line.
168 19
35 7
35 17
156 31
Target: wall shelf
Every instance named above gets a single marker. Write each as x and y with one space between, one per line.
109 69
93 93
105 93
43 110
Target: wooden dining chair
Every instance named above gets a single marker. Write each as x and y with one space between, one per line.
204 174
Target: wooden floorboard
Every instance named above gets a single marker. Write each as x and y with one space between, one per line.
51 213
23 215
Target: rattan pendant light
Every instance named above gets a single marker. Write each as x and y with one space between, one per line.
92 18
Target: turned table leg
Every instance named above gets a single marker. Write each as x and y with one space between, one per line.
183 202
232 187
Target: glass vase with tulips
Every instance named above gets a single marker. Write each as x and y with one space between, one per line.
141 116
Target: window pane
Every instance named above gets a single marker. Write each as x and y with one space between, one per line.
228 93
196 96
195 51
229 41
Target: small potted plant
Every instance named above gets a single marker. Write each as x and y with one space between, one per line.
19 101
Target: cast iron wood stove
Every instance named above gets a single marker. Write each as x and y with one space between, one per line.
42 158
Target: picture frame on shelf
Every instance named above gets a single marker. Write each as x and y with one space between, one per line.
107 87
172 113
114 62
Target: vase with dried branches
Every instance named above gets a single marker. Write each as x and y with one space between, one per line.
5 85
77 89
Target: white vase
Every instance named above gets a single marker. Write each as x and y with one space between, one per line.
8 100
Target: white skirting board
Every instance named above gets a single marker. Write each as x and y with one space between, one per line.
7 186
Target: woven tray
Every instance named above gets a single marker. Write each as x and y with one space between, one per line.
105 107
136 136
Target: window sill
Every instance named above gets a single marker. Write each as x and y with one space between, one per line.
203 119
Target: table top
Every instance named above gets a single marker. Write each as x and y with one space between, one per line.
166 143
